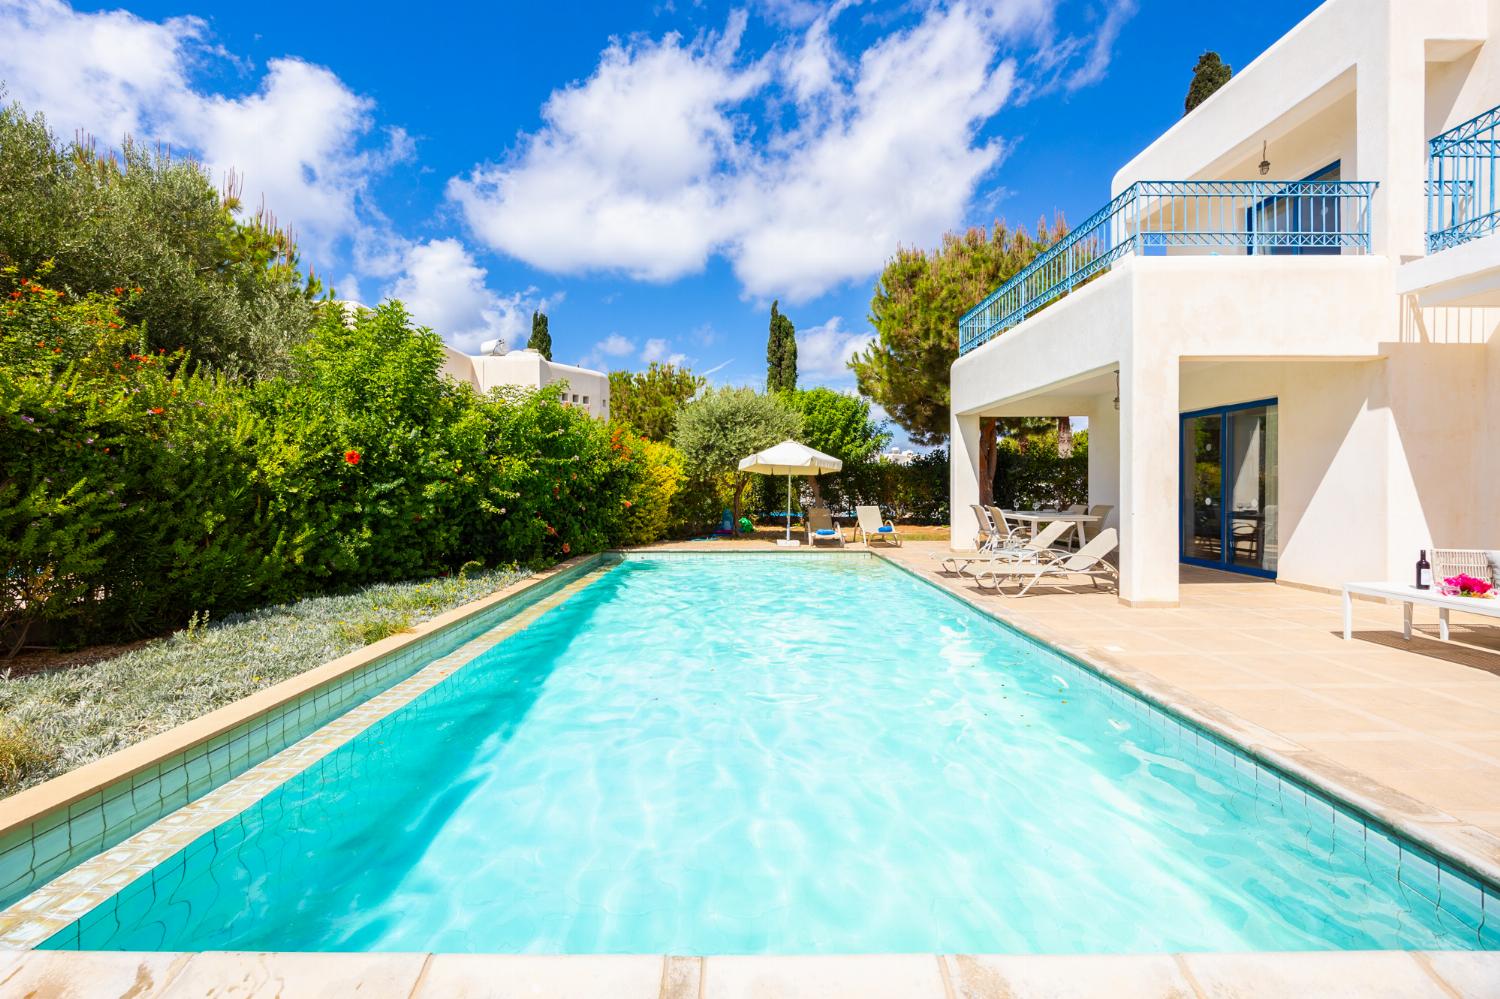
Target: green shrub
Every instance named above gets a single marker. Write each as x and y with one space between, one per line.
138 491
1031 475
125 501
372 627
659 478
22 755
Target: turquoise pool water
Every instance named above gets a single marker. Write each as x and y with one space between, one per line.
761 754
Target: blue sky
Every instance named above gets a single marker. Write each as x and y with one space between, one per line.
650 175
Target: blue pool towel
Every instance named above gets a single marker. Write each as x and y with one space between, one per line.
825 532
885 529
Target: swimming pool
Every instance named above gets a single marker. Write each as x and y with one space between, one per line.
742 754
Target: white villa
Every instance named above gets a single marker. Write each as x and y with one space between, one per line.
585 387
1285 346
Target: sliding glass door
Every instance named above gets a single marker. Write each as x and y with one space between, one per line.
1228 501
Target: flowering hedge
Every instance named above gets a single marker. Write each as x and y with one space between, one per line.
136 491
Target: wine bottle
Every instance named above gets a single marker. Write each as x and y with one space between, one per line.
1424 571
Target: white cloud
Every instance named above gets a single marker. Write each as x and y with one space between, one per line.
1097 63
300 141
615 345
804 166
623 176
609 352
658 349
442 287
823 353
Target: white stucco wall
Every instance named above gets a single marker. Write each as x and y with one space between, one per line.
1373 463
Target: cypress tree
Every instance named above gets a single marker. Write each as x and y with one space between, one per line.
1209 75
781 353
540 340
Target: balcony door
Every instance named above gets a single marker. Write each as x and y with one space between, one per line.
1297 223
1229 486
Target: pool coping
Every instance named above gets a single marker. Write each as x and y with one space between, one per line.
1472 850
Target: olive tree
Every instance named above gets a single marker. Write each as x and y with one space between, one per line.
715 431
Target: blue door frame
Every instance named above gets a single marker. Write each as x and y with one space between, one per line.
1225 525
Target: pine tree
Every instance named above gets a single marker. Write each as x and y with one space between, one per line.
781 353
540 340
1209 75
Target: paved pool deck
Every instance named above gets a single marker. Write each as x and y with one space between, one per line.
1377 975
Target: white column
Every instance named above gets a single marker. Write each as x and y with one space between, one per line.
1148 477
963 479
1104 459
1391 139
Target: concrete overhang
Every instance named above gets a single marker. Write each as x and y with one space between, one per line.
1463 275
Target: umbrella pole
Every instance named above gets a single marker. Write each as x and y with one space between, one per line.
789 506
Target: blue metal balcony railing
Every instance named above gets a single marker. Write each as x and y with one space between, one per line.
1462 199
1182 217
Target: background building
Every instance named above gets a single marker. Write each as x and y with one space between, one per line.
585 387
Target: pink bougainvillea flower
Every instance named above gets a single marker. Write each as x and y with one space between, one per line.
1465 585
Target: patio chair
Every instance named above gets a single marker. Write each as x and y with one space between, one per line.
1090 561
820 527
986 537
1008 534
1476 562
872 527
1020 551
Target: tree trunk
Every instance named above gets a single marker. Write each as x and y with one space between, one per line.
1064 436
987 427
741 481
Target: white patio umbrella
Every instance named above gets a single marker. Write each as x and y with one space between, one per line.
790 458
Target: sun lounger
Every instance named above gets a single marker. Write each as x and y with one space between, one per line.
1056 566
821 528
963 562
872 527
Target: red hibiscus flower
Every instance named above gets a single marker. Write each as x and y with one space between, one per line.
351 457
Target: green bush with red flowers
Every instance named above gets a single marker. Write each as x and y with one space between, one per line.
136 490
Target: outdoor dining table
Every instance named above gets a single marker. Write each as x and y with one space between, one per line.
1035 518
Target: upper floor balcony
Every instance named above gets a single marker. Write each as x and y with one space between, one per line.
1462 166
1183 218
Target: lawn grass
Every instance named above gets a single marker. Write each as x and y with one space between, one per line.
57 720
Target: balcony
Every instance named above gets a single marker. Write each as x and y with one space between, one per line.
1461 189
1180 218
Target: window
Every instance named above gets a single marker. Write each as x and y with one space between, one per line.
575 396
585 400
